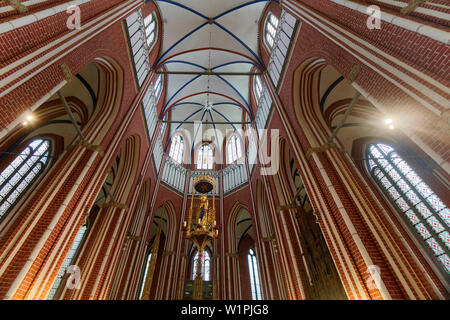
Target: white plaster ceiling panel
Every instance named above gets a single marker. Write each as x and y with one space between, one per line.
179 21
209 58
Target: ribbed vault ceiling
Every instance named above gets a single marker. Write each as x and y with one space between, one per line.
201 35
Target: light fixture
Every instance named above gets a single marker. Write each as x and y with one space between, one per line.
389 123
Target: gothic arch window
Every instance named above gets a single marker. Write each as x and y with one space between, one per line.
270 30
257 87
177 148
254 275
234 149
418 205
206 266
150 30
22 172
205 157
68 261
147 263
157 87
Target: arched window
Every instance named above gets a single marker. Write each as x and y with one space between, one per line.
270 30
419 206
150 30
177 148
254 275
149 257
234 150
205 157
206 266
257 87
22 172
68 261
157 88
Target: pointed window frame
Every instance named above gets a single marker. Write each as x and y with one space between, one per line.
257 88
206 265
144 277
270 30
151 30
234 149
255 282
22 173
205 157
177 147
157 87
424 213
61 278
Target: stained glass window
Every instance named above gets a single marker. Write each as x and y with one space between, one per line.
150 29
68 261
234 149
177 148
414 199
257 87
206 266
254 275
205 157
270 30
149 257
21 172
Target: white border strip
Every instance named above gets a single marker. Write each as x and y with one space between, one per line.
34 17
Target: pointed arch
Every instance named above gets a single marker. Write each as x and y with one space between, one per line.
109 100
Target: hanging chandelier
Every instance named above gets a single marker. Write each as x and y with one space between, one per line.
201 225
